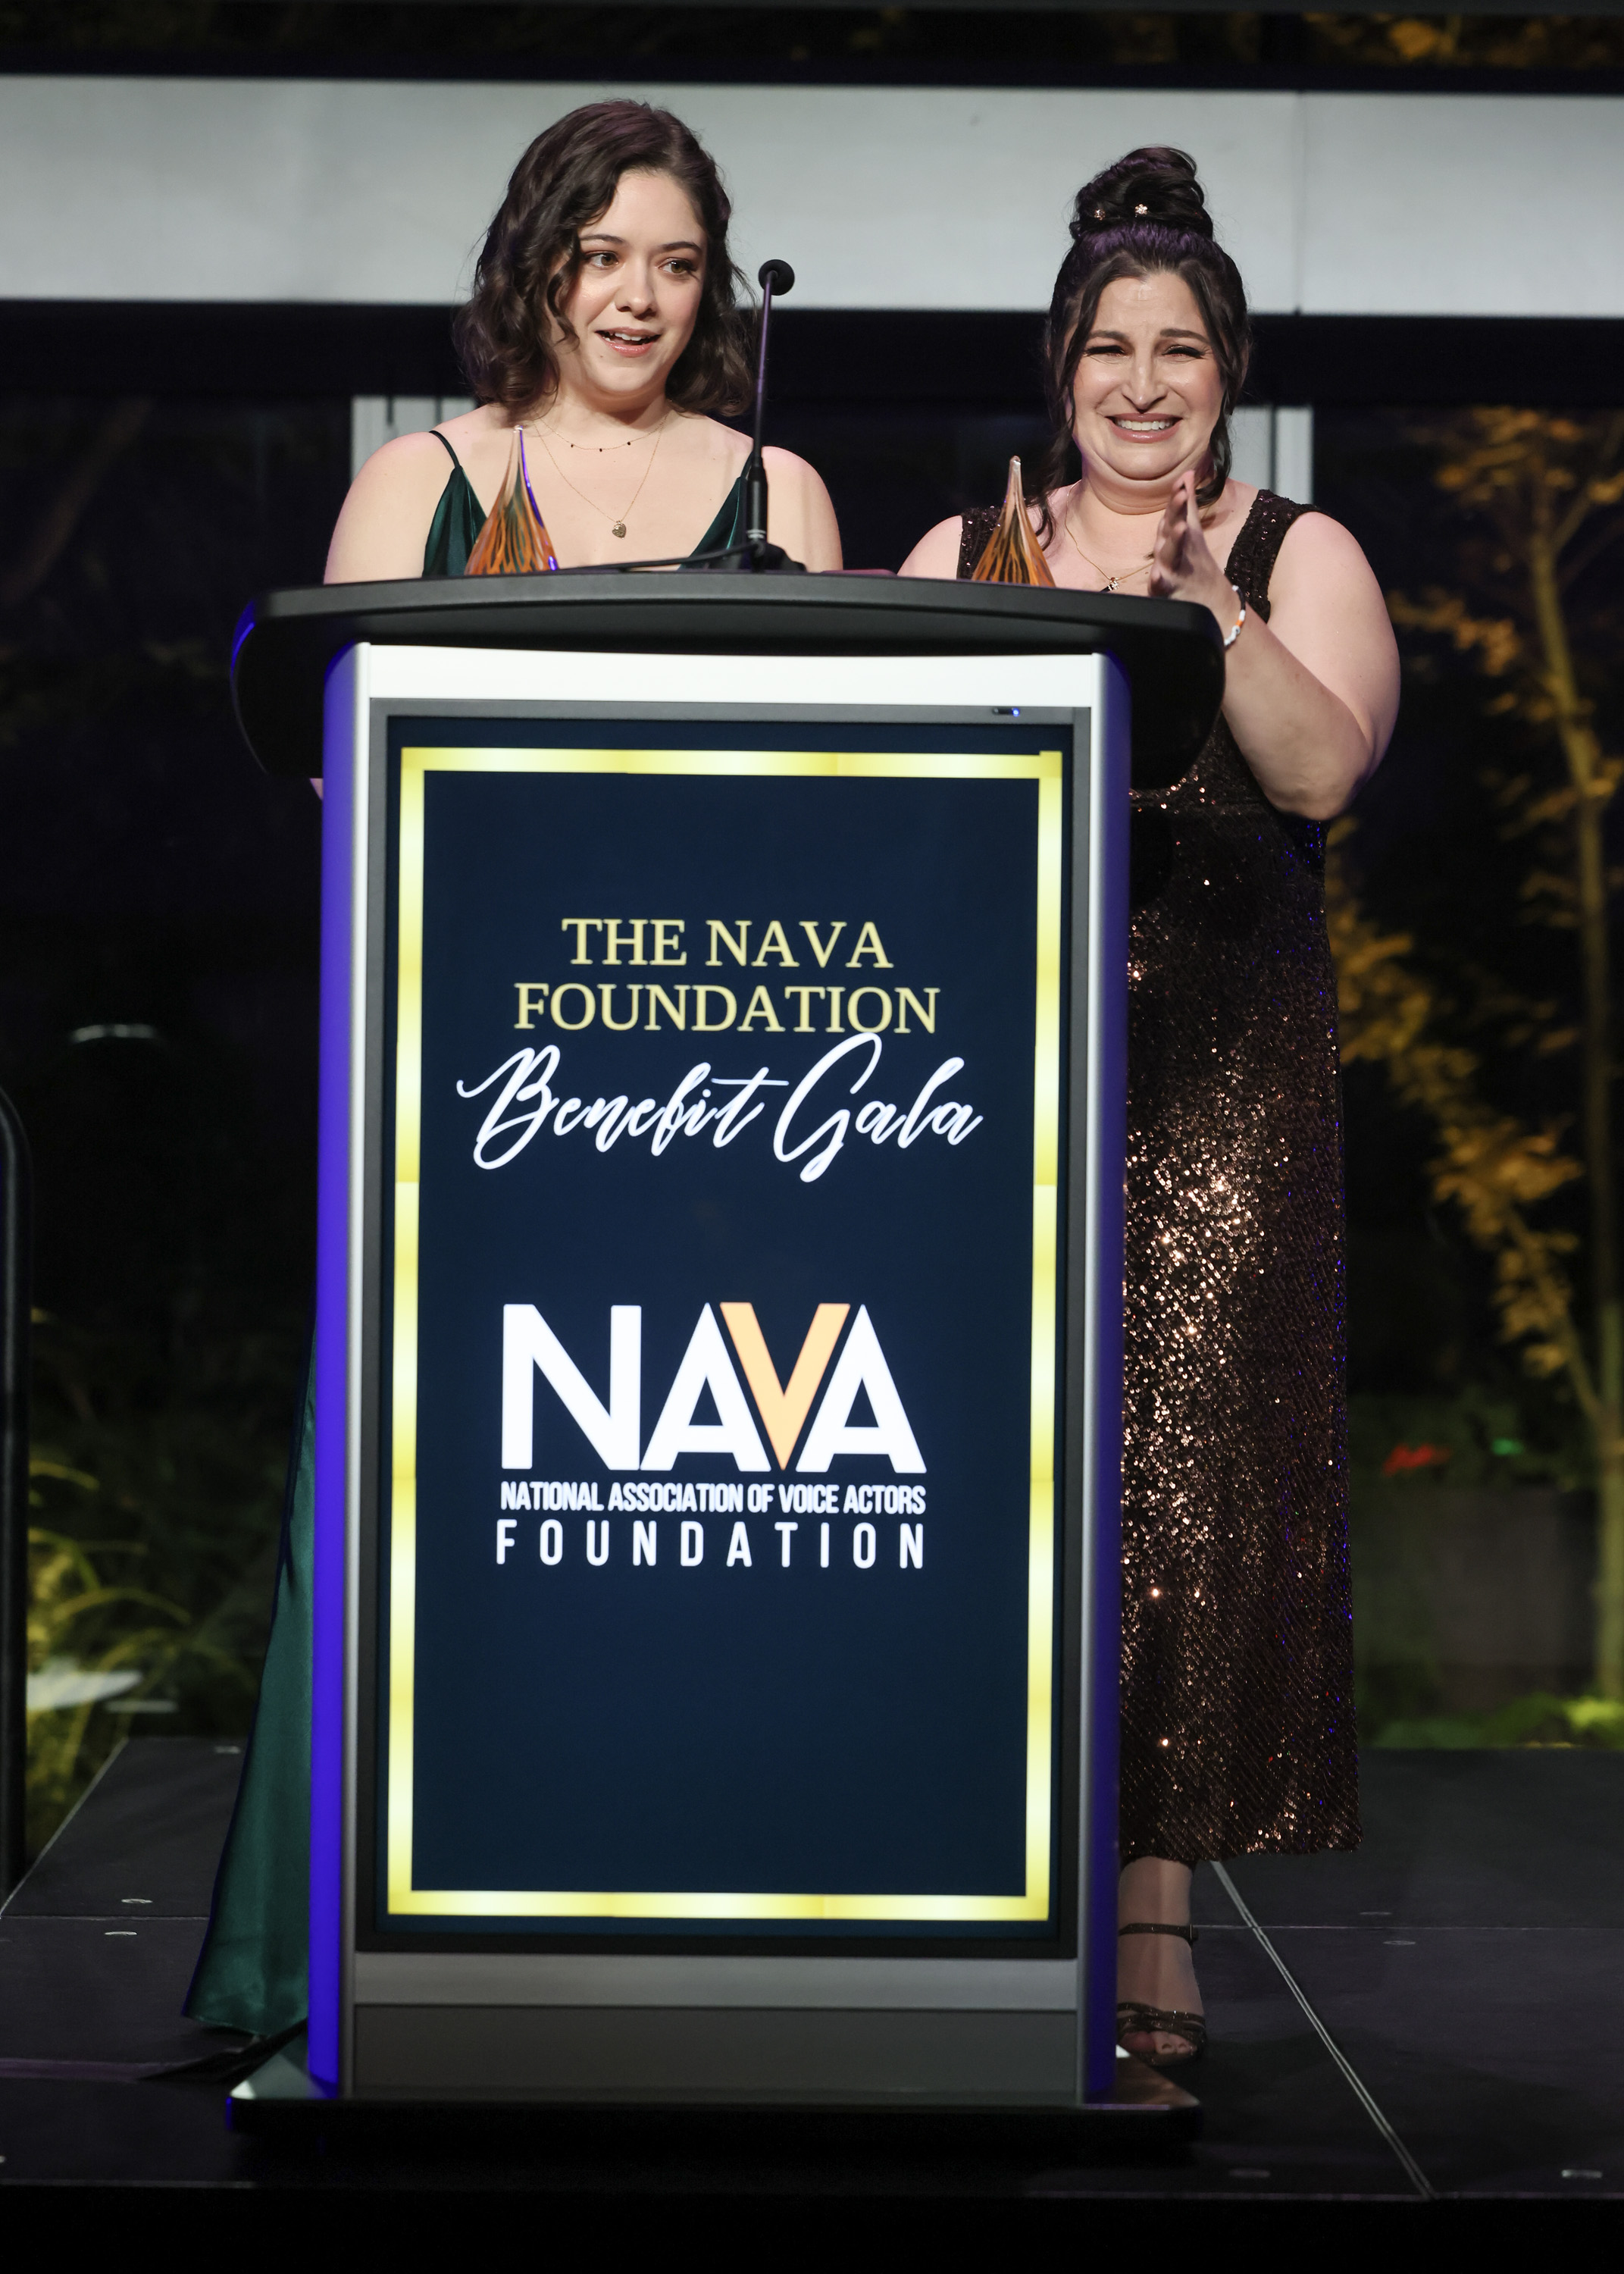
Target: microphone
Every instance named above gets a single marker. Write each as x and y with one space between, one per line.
773 276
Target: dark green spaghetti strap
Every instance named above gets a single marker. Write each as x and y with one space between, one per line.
728 527
458 519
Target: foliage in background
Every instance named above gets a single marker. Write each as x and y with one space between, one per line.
1471 1440
1538 501
86 1647
156 1492
1577 42
1539 1718
157 1029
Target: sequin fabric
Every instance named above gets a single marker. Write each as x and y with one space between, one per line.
1238 1727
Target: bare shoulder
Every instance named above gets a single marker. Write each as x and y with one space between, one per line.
410 463
1326 608
708 441
936 554
801 513
795 473
1316 549
480 440
1321 577
386 516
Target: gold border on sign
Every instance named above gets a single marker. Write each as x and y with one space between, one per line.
1046 768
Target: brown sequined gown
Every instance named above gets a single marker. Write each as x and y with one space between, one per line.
1237 1731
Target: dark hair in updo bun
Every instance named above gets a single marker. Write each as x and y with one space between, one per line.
1143 216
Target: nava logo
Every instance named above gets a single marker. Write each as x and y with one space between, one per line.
615 1431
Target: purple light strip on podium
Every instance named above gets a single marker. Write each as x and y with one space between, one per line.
341 760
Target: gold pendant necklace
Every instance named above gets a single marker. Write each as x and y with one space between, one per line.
617 528
1111 583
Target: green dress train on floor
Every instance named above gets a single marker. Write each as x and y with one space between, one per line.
252 1973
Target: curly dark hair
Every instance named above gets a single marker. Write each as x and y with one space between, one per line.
1143 216
531 254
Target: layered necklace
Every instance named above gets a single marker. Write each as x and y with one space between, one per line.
617 522
1110 582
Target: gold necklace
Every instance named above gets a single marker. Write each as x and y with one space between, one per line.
616 528
1111 583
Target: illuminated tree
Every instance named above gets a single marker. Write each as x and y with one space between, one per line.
1540 498
1577 42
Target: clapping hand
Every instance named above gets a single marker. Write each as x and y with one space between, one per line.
1182 566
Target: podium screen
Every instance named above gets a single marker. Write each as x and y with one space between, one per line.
716 1541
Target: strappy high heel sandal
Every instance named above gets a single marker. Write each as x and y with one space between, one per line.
1169 2021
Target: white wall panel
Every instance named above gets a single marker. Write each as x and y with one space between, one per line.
882 197
1423 204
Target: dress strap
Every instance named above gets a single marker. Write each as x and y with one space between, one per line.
1257 548
458 519
976 535
724 529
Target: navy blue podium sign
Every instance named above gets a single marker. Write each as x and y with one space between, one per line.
718 1368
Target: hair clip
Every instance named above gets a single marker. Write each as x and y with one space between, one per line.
1098 213
1141 210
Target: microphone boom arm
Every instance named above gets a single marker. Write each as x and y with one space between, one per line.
774 276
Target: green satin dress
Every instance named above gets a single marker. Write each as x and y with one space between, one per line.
252 1972
459 517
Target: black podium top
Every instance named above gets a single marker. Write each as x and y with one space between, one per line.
1170 649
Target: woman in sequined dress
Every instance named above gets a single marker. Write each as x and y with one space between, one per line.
1236 1679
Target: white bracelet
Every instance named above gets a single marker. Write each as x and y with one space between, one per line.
1230 637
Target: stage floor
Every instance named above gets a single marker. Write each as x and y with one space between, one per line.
1436 2016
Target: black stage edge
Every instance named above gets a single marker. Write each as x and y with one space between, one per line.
1170 649
1459 1976
827 358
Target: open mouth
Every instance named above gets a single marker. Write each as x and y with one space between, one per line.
626 342
1148 428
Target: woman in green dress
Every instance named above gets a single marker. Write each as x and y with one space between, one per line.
601 333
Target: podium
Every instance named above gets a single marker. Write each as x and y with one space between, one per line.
718 1327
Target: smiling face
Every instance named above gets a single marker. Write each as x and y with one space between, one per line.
635 298
1148 389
